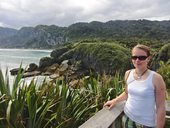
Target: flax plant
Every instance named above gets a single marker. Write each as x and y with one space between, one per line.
11 101
72 109
53 104
102 88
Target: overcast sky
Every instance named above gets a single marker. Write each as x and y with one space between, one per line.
20 13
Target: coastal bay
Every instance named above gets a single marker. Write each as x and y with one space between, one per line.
12 58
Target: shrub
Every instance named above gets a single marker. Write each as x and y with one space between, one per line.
164 70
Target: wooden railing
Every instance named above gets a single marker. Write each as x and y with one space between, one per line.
111 118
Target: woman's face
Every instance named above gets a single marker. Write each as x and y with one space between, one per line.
139 58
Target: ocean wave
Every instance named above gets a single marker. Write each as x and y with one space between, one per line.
38 50
19 57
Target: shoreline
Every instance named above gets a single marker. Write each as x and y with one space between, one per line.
25 49
13 58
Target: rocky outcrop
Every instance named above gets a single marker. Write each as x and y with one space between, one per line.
59 51
31 74
32 67
16 70
102 58
81 59
45 62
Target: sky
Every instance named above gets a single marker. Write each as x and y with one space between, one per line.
29 13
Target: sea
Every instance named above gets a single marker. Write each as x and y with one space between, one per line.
13 58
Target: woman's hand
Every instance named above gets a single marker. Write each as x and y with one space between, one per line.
110 103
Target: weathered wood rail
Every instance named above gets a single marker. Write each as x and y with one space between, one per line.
112 118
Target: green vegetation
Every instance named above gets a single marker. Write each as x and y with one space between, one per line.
127 32
54 104
164 70
103 57
100 47
161 54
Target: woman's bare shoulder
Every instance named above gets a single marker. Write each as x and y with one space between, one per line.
128 71
158 80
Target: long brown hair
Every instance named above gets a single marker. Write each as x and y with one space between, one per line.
144 48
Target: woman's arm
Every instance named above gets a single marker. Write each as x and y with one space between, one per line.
160 89
121 97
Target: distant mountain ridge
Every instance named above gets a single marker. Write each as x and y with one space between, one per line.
7 32
43 36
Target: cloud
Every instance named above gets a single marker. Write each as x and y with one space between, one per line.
19 13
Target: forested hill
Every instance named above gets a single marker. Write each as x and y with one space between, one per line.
43 36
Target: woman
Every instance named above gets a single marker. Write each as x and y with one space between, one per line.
144 92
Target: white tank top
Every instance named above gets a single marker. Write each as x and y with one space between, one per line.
140 105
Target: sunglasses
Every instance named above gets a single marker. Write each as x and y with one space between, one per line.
139 57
